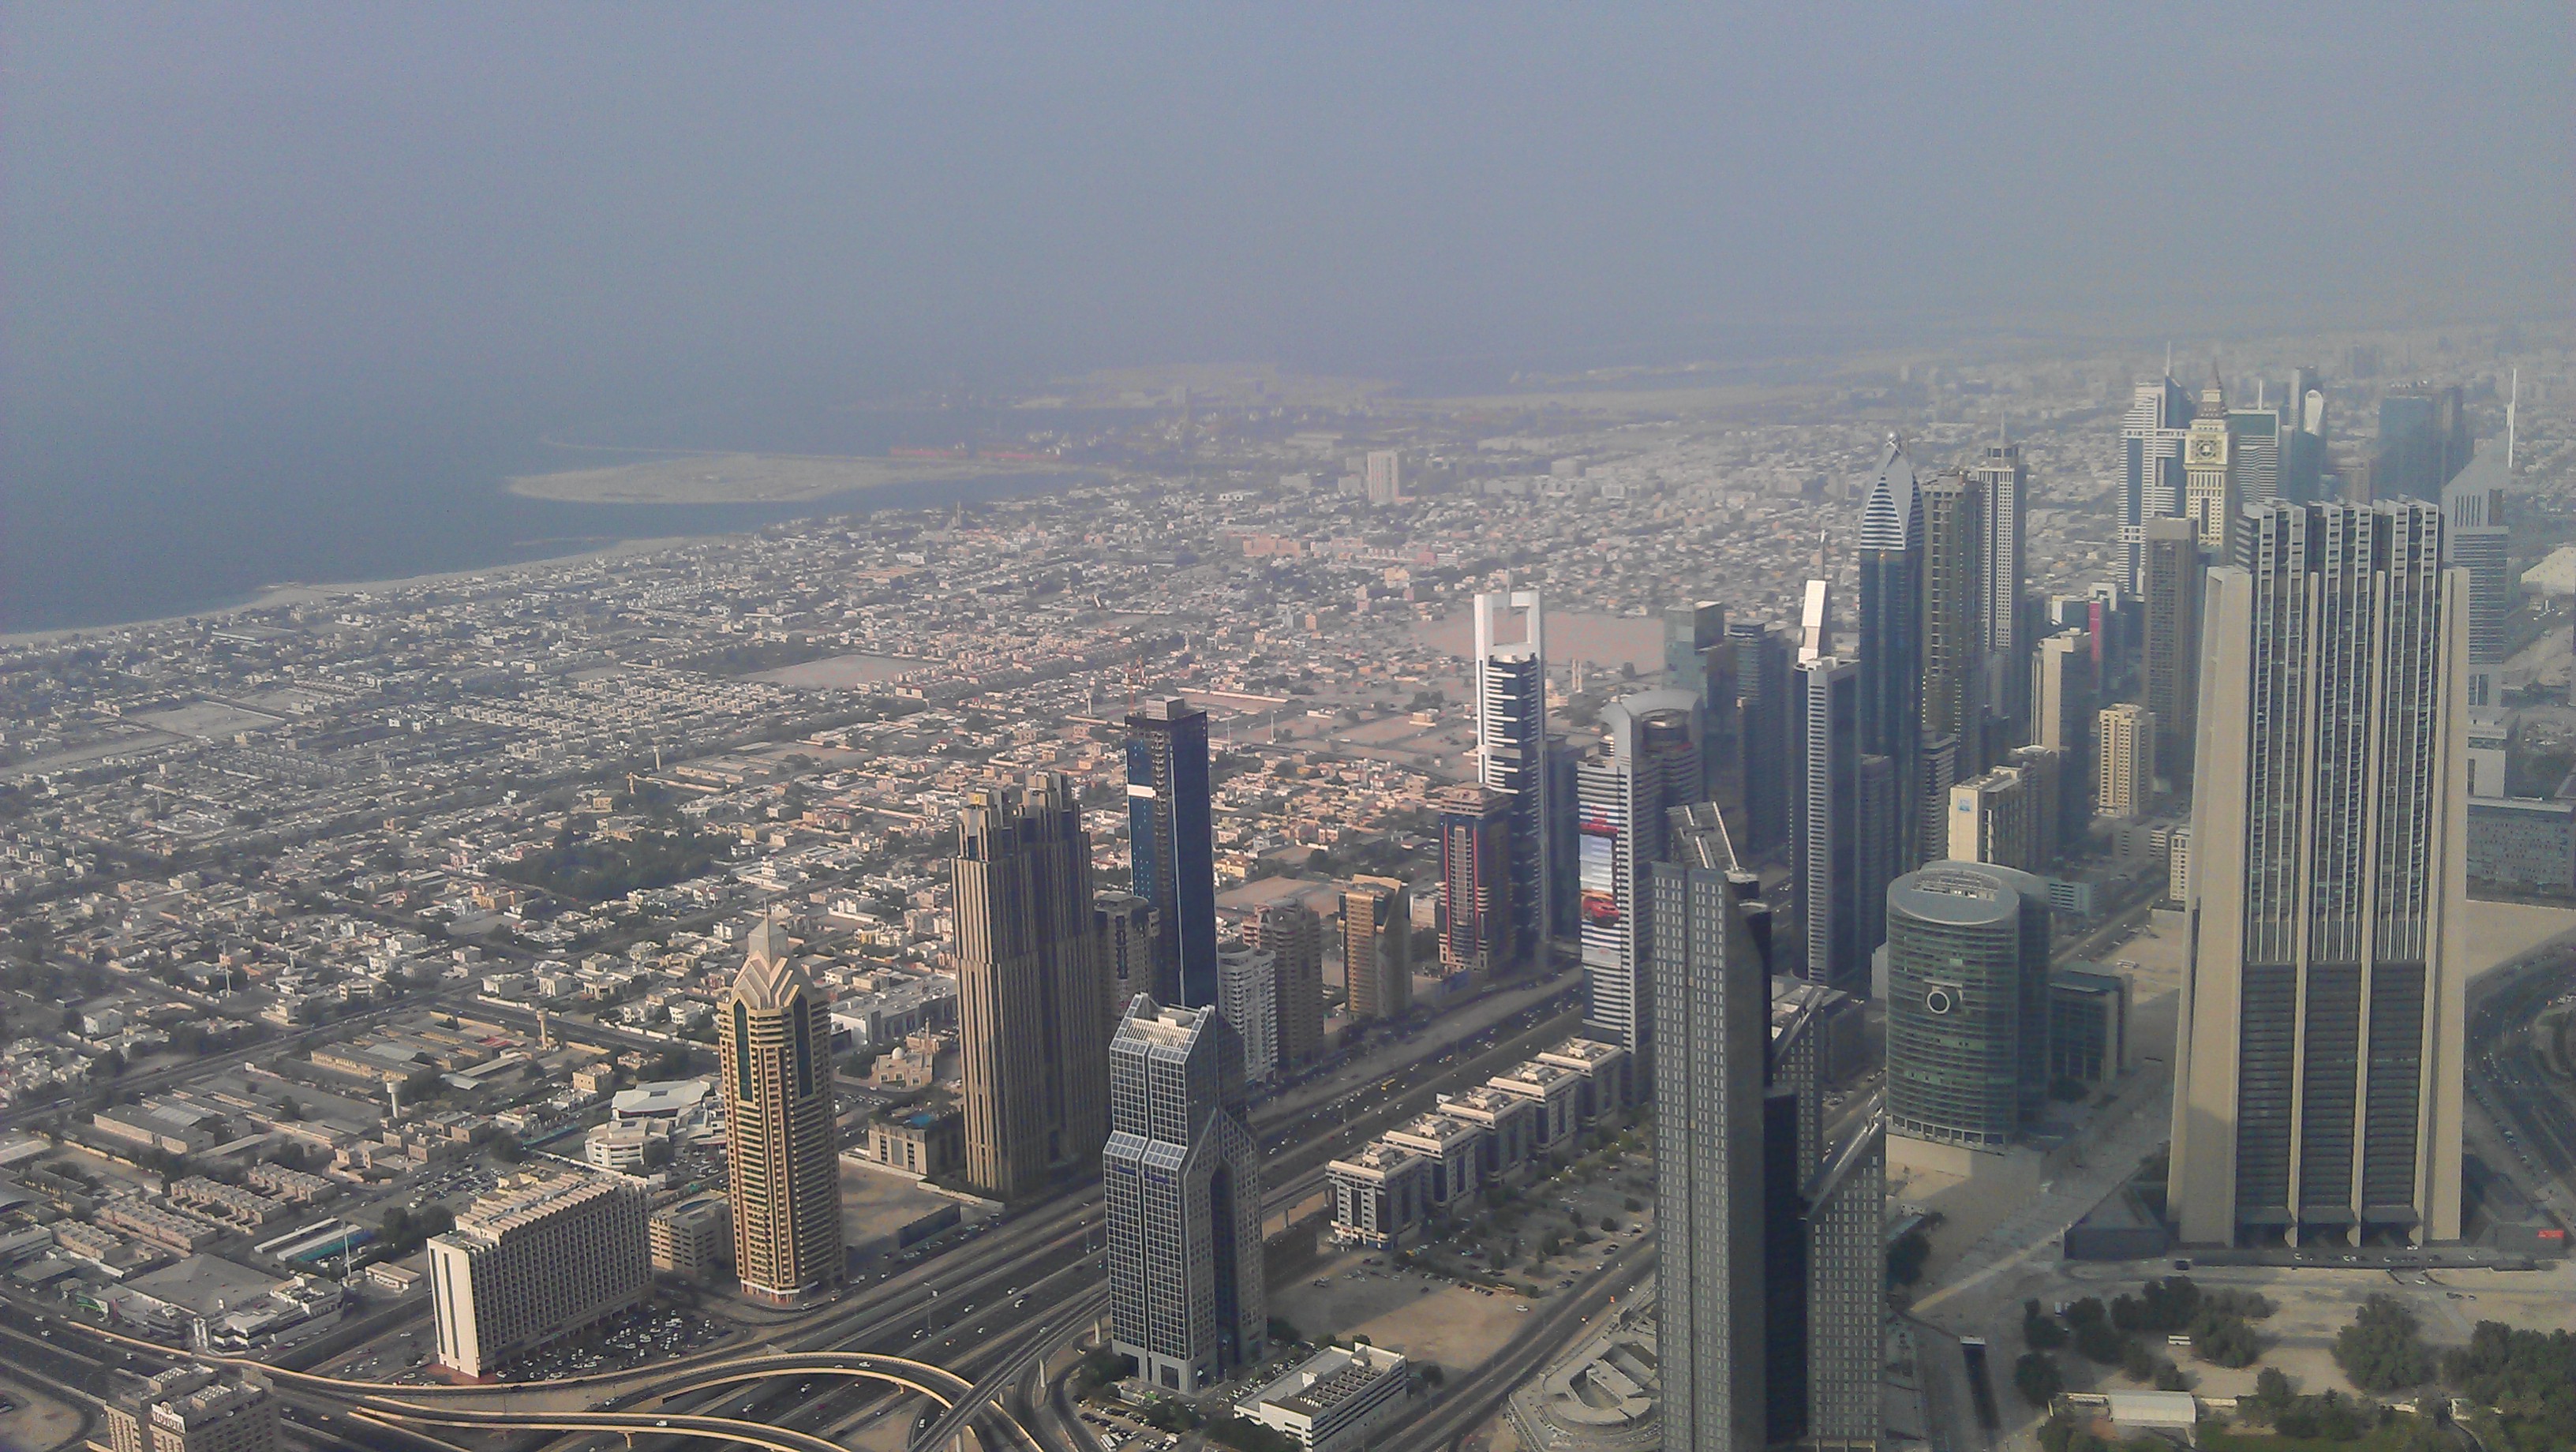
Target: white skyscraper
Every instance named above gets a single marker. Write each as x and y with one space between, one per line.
1247 993
2151 475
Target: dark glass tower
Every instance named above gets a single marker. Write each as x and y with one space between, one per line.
1891 638
1174 845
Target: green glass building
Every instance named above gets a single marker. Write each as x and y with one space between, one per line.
1967 1003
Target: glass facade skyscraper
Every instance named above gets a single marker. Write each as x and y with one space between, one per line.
1171 839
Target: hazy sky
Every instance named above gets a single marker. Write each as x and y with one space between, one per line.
586 205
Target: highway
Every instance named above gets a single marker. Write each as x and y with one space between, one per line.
2530 1110
971 1309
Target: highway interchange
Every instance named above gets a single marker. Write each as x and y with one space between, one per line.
991 1309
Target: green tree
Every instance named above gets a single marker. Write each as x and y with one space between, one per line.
2383 1348
2037 1378
2040 1331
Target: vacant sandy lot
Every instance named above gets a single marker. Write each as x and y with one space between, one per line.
1598 640
40 1423
1426 1319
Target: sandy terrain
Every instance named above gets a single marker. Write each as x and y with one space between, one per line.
1598 640
1450 1326
748 478
841 672
40 1423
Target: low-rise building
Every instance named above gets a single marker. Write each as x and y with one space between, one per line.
1378 1196
190 1408
2526 843
917 1140
1333 1400
692 1238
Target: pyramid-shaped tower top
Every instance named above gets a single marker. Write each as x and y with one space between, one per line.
769 977
1890 518
2213 395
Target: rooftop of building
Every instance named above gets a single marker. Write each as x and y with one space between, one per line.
523 1199
206 1285
1327 1379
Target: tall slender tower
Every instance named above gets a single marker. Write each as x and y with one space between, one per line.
2151 473
1511 748
1891 637
2317 1076
1954 636
783 1159
1377 948
2170 654
1651 765
1031 1007
1762 661
2006 482
1713 1016
2474 534
1294 938
1475 881
1826 847
1182 1177
2062 714
2210 488
1171 836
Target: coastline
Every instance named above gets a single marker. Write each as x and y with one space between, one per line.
278 596
748 478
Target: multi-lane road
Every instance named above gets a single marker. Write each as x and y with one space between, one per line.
971 1309
2531 1110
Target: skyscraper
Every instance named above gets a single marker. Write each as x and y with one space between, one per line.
2254 437
1475 880
1773 1305
1762 683
1247 993
1825 833
1846 1288
2211 489
783 1151
2125 771
2063 704
1126 927
2005 480
2423 442
1182 1177
1651 765
2318 1066
1565 757
1967 1004
1991 820
1294 938
1385 476
2476 539
1891 637
2151 473
1713 1017
1511 748
1954 638
1173 845
2171 652
1032 1017
1377 948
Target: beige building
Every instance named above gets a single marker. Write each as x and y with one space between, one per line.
783 1169
1377 948
190 1408
1294 938
2126 775
543 1255
2169 654
1032 1011
2317 1069
692 1238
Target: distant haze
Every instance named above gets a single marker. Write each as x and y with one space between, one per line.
427 234
591 203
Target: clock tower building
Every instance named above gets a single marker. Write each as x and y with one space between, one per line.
2209 474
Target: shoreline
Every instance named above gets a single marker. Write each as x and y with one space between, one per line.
278 596
740 478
